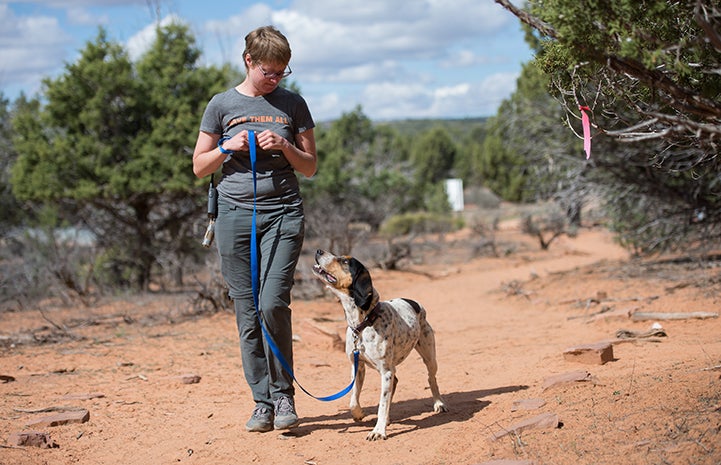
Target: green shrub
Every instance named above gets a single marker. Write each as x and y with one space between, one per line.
421 223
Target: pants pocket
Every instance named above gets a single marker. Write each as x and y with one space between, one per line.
293 224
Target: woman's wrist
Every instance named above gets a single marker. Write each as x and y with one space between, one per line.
220 146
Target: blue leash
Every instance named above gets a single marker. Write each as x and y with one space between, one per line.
254 271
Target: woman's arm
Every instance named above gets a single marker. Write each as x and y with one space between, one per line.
207 156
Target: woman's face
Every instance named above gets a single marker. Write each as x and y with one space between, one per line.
266 76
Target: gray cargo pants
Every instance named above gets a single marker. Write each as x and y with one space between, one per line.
279 238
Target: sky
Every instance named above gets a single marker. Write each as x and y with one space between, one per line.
396 59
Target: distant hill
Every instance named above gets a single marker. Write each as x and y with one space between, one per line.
412 127
460 126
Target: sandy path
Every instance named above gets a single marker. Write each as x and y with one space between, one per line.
656 402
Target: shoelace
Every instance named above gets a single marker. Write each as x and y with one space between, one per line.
285 406
260 412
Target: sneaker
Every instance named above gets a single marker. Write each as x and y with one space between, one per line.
285 416
261 421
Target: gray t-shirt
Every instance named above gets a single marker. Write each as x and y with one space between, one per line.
283 112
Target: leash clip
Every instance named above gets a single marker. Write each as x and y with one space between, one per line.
356 340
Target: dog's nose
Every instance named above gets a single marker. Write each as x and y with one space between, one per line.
319 252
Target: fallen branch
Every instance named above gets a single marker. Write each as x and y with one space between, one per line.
640 316
629 334
5 446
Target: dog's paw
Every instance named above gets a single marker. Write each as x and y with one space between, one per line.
376 435
439 406
357 414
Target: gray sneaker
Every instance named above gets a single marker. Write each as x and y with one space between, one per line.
285 416
261 421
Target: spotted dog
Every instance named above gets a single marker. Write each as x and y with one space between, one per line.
384 332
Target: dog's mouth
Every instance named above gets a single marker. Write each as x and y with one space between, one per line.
324 275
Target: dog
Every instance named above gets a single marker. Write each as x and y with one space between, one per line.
384 333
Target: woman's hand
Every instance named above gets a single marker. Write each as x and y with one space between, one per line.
302 155
237 143
268 140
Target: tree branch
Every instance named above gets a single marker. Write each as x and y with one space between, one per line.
541 26
703 21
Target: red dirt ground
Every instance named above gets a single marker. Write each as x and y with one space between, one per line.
502 325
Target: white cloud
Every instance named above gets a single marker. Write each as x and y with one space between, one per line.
473 99
328 106
401 101
141 42
332 33
462 59
500 84
27 45
224 39
397 101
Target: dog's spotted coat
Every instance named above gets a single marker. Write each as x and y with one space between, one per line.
399 326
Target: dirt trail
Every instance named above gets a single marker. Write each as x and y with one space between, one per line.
501 325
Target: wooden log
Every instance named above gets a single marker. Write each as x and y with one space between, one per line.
641 316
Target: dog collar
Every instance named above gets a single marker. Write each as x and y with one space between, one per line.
370 318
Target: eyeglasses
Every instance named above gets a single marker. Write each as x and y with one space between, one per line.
278 75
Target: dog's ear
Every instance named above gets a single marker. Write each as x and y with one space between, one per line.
361 288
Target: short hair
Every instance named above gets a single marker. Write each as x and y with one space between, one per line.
267 44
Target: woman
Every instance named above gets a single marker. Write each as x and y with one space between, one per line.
285 143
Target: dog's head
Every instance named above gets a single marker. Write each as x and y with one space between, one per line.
345 276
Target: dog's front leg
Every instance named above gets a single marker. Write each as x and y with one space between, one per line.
355 408
388 377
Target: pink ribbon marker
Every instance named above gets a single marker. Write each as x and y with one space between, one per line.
586 130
